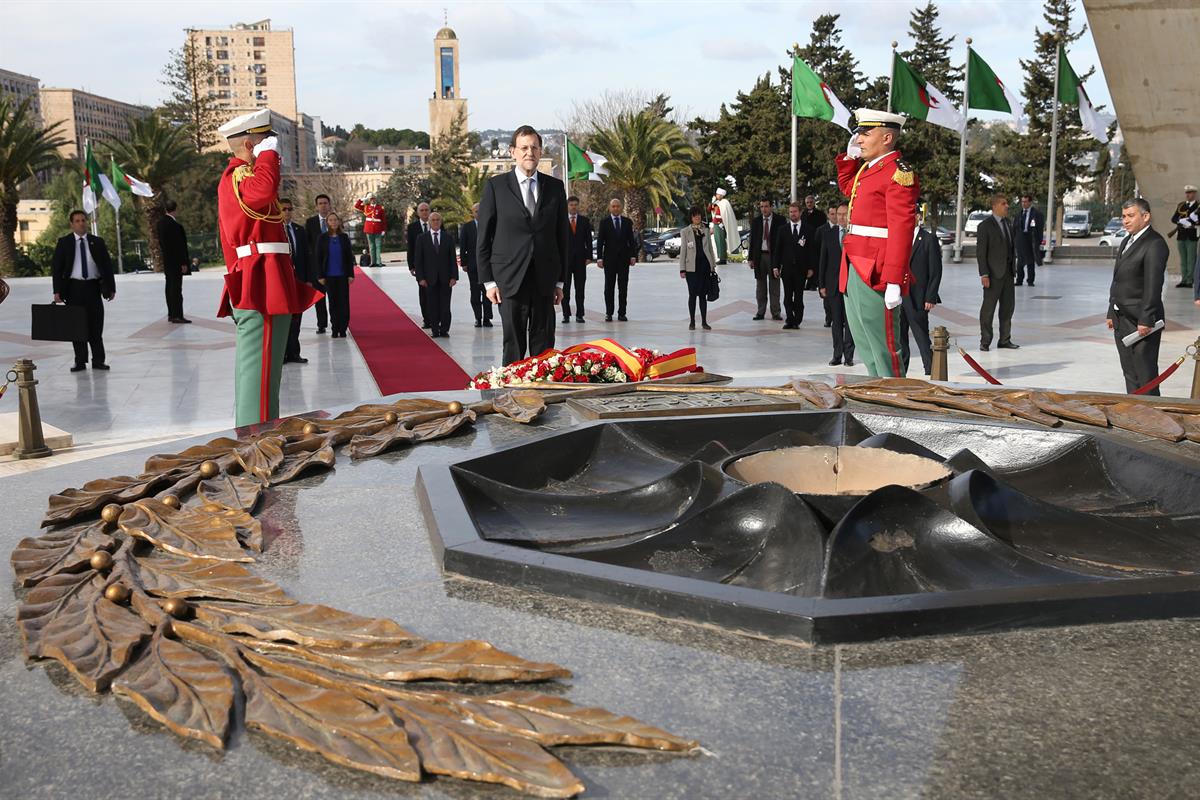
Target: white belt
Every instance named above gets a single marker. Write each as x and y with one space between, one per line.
373 219
247 250
867 230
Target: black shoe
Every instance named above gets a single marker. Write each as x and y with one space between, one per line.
425 326
79 368
179 320
296 360
706 326
608 317
790 326
1008 346
721 263
487 323
445 334
835 362
829 324
849 362
566 319
320 330
776 317
692 325
104 367
1180 285
478 324
759 316
622 318
580 318
984 347
1029 284
1019 283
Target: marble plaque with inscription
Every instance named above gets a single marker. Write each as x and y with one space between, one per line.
662 404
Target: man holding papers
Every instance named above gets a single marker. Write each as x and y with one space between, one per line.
1135 298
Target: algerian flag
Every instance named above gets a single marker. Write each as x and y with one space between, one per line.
584 164
92 188
987 92
912 95
110 192
123 180
812 98
1070 90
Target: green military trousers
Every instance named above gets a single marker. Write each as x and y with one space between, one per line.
1187 259
376 242
719 242
258 363
875 327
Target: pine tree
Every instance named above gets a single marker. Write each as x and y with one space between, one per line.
449 161
190 76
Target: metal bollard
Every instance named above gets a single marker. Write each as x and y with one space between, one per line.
941 350
1195 354
30 442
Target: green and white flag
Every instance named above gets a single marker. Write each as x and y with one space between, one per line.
92 187
914 96
987 92
123 180
584 164
812 98
1070 90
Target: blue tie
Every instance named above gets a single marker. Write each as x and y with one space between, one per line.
83 255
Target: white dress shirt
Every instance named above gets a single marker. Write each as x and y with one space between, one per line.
77 267
1130 239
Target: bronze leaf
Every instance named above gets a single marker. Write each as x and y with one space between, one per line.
184 531
449 746
173 576
261 457
1190 424
67 618
299 457
1019 405
247 529
1144 419
304 624
520 406
402 433
235 491
818 393
1066 408
220 450
888 398
66 550
959 402
183 689
71 503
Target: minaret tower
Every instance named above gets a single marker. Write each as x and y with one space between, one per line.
447 101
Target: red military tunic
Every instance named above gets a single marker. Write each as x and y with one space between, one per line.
882 196
374 217
248 217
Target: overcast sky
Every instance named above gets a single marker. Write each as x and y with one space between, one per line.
372 62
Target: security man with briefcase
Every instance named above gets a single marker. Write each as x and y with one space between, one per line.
83 273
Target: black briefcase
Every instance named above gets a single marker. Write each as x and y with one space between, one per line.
59 323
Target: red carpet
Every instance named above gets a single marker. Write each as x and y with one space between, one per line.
401 356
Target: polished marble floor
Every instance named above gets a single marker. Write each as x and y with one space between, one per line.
173 380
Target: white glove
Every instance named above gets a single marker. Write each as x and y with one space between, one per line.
852 148
891 295
1185 222
269 143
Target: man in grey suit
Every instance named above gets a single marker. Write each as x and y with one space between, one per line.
996 256
1135 298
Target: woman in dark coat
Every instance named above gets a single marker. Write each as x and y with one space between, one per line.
335 264
697 263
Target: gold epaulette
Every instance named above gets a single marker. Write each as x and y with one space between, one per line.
903 174
240 173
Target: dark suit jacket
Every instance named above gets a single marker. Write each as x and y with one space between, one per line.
579 246
323 256
829 266
312 227
815 218
1037 223
64 261
926 265
511 242
173 240
1137 284
994 254
301 263
778 231
468 236
614 247
436 266
793 258
411 235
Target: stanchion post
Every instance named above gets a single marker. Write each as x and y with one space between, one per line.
941 354
30 442
1195 348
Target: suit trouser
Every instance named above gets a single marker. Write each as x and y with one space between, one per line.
479 302
1002 292
576 275
337 289
527 317
292 349
174 291
827 301
915 320
87 294
618 278
793 297
439 306
1026 262
1187 259
843 340
768 285
1140 362
375 240
258 363
876 328
322 308
426 311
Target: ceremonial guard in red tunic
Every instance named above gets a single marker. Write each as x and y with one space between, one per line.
875 271
261 291
374 226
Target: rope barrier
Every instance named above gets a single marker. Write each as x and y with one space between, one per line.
1166 373
987 376
983 373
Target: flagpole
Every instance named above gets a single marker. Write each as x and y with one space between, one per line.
962 157
120 256
566 162
1049 258
892 76
87 144
795 50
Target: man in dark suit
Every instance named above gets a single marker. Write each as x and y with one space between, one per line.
793 265
926 265
416 229
437 273
579 254
1029 226
298 244
176 261
766 238
82 274
468 239
828 275
1135 298
314 226
995 253
523 234
818 240
616 252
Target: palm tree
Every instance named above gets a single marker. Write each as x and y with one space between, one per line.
456 210
646 155
157 152
26 148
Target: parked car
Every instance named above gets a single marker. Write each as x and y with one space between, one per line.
672 245
653 241
1113 239
1113 225
971 226
1077 224
944 235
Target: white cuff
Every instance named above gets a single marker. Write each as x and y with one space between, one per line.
559 285
489 285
